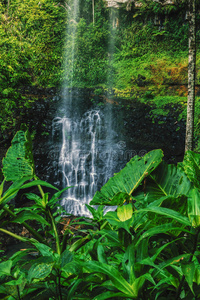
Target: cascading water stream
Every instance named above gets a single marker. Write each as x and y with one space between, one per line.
86 159
78 160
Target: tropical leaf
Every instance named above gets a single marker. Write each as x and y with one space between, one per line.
44 249
194 207
5 267
30 215
189 272
125 212
19 161
113 219
39 271
108 295
167 180
1 187
115 276
191 164
55 197
38 182
164 228
66 257
13 190
128 179
169 213
101 254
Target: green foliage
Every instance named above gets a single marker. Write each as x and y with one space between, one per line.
120 187
147 248
37 41
31 39
19 159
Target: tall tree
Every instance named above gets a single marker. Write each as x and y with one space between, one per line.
93 11
191 75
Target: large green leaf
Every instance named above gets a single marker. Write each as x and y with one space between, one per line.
191 164
19 161
40 271
167 180
128 179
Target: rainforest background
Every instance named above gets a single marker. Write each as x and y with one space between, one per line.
149 60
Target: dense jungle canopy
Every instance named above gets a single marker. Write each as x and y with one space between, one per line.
149 61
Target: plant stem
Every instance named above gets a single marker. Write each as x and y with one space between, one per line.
190 260
28 227
14 235
59 286
64 242
52 221
55 232
18 291
39 187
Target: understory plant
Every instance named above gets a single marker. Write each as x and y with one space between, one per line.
146 246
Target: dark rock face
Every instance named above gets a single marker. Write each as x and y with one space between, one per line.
133 127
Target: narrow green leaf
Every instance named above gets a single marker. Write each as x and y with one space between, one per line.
33 197
108 295
101 254
168 213
44 249
38 182
189 272
13 189
139 282
197 275
55 197
1 187
79 243
191 165
29 215
194 207
66 257
159 229
118 281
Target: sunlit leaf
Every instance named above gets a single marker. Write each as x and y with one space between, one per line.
125 212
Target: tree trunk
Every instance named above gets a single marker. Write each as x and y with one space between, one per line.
93 11
189 140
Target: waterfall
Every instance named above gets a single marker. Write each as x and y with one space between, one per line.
79 159
86 154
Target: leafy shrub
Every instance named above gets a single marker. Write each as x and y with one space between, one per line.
147 248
